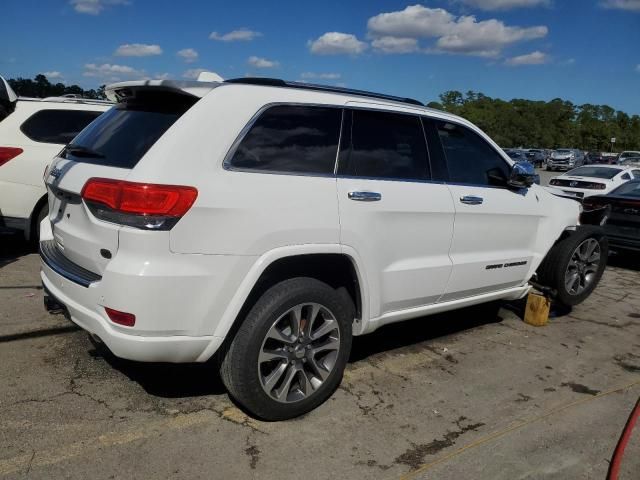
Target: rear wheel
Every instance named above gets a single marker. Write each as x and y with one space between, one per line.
289 354
574 266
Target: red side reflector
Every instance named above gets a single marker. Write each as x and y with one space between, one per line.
121 318
140 198
7 153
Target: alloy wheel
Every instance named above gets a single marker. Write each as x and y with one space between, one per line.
583 267
299 352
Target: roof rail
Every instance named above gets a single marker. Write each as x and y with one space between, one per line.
276 82
90 101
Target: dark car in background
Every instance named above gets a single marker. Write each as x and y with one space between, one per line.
536 156
623 225
597 158
516 154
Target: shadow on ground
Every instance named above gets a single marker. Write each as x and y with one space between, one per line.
12 247
193 380
624 259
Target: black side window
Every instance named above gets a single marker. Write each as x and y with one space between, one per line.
470 159
291 139
387 145
57 126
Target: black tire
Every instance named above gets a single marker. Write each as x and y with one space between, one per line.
552 270
239 357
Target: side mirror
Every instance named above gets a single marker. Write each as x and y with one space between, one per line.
523 175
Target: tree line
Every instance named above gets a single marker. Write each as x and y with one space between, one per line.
41 87
539 124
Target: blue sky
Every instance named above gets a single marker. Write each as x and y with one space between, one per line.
586 51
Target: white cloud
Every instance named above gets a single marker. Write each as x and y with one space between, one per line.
94 7
395 45
189 55
504 4
632 5
162 76
193 73
336 43
533 58
53 74
319 76
414 21
240 35
638 68
461 35
259 62
112 72
137 50
486 38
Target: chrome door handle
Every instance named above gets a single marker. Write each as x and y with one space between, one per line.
365 196
472 200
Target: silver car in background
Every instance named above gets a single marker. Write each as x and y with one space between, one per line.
565 159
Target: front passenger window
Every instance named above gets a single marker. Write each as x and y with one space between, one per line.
470 159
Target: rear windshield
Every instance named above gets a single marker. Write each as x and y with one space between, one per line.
596 172
122 135
629 189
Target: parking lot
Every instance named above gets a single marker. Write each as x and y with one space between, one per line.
470 394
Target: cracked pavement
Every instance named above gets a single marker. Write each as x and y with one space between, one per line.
469 394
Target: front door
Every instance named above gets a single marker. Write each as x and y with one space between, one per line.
495 227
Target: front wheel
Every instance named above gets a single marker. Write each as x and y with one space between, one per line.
573 267
289 354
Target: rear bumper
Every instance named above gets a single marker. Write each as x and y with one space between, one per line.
81 303
624 243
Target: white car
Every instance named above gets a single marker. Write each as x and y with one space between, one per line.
628 154
32 132
267 222
593 180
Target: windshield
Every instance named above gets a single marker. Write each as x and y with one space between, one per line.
629 154
563 152
596 172
629 189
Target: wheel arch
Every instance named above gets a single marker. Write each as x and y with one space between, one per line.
328 263
33 218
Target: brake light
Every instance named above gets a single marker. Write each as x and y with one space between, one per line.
7 153
140 205
121 318
554 182
596 186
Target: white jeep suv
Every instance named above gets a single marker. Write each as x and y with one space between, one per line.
269 221
32 132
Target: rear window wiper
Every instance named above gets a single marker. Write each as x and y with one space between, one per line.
80 151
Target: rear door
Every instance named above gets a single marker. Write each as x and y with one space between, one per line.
109 148
495 227
391 213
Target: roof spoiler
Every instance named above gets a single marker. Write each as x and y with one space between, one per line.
207 81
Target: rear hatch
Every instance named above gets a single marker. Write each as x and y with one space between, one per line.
86 232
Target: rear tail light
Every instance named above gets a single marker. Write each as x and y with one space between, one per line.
7 153
121 318
554 182
140 205
596 186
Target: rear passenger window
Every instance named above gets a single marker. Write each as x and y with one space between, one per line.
386 145
291 139
57 126
626 176
470 159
